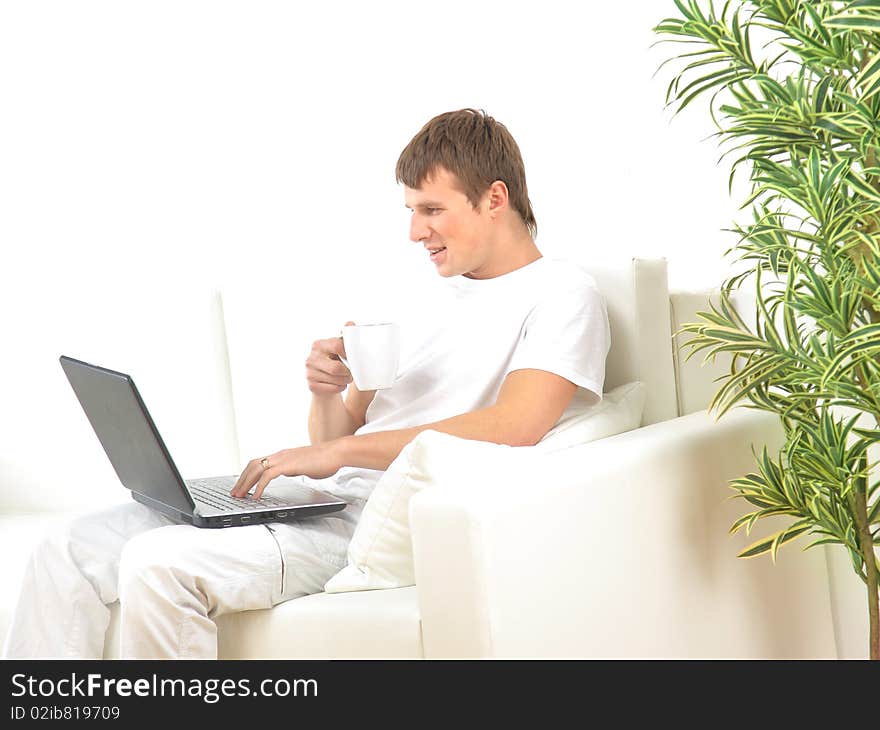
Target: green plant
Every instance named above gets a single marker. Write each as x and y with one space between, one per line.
795 95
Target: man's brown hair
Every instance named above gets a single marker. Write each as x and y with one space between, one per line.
476 149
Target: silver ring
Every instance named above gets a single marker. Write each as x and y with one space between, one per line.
264 462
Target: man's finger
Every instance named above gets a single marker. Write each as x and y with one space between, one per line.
267 477
332 369
239 481
246 480
336 347
241 486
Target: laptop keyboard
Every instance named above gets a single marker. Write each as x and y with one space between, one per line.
215 492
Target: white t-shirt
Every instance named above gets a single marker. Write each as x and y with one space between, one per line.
466 338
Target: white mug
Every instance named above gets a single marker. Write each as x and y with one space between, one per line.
372 354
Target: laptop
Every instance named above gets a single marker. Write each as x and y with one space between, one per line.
132 442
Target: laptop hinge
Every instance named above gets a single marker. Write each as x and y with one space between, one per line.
174 514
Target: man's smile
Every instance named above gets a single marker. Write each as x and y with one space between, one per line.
436 252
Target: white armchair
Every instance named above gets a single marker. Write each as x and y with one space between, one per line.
616 548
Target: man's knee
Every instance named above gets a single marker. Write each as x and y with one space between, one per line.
150 561
58 548
47 554
89 543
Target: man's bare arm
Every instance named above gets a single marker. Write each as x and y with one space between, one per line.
529 404
331 418
327 376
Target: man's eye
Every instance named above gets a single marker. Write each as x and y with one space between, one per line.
432 211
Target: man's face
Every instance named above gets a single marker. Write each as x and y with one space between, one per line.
454 234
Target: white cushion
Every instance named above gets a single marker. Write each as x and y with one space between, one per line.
361 625
380 552
619 410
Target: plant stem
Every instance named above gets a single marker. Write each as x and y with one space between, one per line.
860 512
859 506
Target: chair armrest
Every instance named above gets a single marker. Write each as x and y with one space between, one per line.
618 548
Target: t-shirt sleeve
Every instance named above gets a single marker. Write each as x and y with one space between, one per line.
567 333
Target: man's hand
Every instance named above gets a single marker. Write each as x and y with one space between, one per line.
325 373
320 461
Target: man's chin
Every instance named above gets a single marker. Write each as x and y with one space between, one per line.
445 270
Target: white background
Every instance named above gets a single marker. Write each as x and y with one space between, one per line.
154 153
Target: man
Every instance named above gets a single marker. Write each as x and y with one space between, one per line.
517 335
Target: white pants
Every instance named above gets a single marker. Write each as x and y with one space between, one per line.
171 580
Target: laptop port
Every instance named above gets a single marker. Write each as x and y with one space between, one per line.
281 514
245 518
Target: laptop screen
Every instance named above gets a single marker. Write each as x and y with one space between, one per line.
127 432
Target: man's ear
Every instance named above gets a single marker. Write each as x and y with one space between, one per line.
498 197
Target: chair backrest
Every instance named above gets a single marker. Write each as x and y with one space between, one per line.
636 293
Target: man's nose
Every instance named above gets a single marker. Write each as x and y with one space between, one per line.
417 230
